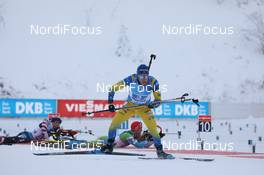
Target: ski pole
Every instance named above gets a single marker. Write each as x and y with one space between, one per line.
181 99
152 56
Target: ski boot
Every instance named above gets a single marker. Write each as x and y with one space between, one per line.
8 140
109 147
162 155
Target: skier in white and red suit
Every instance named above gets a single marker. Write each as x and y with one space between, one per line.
43 132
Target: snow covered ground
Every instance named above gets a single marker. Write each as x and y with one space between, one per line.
19 158
22 161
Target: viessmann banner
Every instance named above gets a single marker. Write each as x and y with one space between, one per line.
77 108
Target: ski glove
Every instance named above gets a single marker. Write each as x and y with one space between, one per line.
111 108
154 104
147 136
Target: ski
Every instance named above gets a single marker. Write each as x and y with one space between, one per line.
94 152
197 159
183 158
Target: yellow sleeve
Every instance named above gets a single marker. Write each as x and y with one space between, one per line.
156 92
118 86
157 95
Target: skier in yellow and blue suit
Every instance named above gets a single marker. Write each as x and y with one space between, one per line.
141 86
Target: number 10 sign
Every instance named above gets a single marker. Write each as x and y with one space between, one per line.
205 124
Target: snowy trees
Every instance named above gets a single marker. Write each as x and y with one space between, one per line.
123 47
257 33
